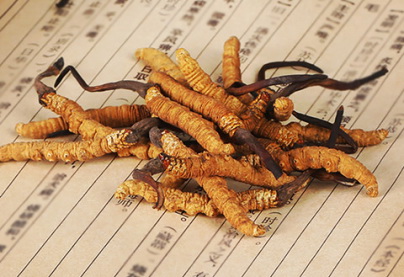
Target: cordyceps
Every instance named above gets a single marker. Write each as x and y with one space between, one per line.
225 200
234 131
98 139
111 116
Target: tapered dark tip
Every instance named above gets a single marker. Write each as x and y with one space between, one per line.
280 80
160 199
62 3
148 179
337 177
59 63
286 191
61 76
335 128
352 146
382 71
265 67
243 136
40 87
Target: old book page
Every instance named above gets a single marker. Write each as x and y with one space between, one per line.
61 219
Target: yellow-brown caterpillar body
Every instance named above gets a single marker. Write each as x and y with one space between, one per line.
194 203
111 116
190 122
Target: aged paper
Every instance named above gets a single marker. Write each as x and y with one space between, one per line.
61 219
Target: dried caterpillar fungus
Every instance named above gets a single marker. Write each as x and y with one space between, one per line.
216 188
319 157
208 164
160 62
98 139
194 203
206 106
211 109
64 151
184 99
231 73
186 120
173 146
111 116
315 133
201 82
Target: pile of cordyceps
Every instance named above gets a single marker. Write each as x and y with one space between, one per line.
234 131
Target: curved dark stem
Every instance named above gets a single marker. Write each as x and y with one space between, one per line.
154 166
335 127
253 94
290 89
323 175
40 87
271 65
237 85
339 85
337 177
139 87
274 81
329 83
353 146
286 191
243 136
